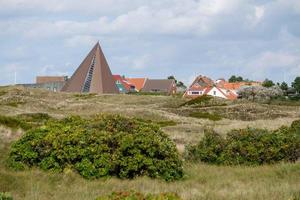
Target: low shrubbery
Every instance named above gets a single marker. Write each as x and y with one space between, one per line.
104 146
24 121
248 146
131 195
204 101
5 196
206 115
199 101
13 122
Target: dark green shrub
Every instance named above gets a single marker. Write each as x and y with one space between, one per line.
2 93
106 145
5 196
249 146
209 149
131 195
205 115
34 117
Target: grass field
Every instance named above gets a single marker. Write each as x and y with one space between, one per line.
202 181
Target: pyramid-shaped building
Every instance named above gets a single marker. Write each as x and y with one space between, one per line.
93 75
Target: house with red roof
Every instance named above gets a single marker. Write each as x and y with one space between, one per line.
203 85
139 83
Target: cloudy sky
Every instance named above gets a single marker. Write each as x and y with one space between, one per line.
254 38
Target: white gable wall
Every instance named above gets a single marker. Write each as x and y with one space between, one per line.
216 93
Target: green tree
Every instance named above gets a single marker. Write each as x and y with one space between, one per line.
234 79
268 83
284 86
178 83
296 84
239 79
172 78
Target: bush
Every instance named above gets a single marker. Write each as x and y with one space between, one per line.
131 195
201 100
104 146
205 115
5 196
249 146
209 149
259 93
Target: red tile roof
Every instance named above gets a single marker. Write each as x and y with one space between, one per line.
137 82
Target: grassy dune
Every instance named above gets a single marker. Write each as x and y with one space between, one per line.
281 181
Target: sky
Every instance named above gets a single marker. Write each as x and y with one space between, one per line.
256 39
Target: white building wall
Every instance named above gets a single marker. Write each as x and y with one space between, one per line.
216 93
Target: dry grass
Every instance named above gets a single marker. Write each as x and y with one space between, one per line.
202 181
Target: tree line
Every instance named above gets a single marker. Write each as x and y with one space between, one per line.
269 83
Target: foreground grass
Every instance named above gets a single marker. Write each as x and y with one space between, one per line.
202 181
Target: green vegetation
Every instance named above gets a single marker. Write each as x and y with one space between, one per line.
2 92
268 83
131 195
105 146
85 96
161 123
248 146
14 123
234 79
296 84
141 93
24 121
199 101
206 115
284 86
5 196
291 101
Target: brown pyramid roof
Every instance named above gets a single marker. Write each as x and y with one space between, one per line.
93 75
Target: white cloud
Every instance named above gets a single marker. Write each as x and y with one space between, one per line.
142 62
80 40
276 59
198 18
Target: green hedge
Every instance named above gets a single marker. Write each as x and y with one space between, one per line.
104 146
131 195
5 196
248 146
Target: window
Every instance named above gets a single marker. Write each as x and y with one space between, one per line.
155 90
195 93
118 82
88 78
215 92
